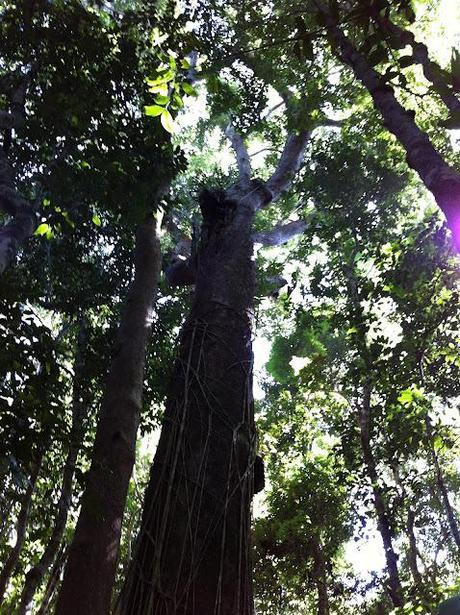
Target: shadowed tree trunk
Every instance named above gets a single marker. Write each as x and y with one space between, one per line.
53 580
357 318
34 576
320 575
383 520
90 569
412 553
23 217
443 491
437 175
21 528
399 37
192 555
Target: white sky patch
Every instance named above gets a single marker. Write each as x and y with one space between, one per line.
366 555
298 363
261 348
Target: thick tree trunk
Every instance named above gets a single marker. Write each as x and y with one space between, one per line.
437 175
80 402
449 511
53 580
383 520
91 564
320 575
192 555
21 528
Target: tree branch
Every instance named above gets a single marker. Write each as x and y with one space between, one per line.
442 180
432 71
289 163
280 234
242 157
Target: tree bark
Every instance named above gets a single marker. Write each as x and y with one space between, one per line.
383 521
23 217
91 564
432 71
53 580
437 175
412 553
449 511
34 576
364 420
21 528
320 575
192 555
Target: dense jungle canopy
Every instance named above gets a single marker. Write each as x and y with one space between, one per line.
229 307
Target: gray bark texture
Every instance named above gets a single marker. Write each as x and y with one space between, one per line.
364 421
320 576
383 520
53 581
412 553
442 489
91 564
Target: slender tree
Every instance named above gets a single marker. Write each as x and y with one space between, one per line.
91 562
21 529
80 407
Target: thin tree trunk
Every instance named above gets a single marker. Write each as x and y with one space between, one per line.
192 555
383 521
412 553
449 511
91 564
80 402
437 175
320 575
21 528
432 71
364 419
53 580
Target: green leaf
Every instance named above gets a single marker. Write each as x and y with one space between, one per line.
42 229
188 89
185 63
406 397
167 121
161 100
161 89
96 220
178 100
153 110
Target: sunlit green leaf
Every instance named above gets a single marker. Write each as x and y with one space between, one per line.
153 110
167 121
